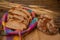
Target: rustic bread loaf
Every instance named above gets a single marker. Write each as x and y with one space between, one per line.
46 24
18 18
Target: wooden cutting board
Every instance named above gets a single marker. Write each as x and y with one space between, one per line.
37 35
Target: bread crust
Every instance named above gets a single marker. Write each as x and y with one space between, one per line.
18 18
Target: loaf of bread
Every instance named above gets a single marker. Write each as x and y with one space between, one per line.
46 24
18 19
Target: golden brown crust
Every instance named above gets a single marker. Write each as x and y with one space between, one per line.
45 24
18 18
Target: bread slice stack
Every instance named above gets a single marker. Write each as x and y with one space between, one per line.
18 18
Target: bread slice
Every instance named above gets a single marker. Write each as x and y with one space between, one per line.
15 25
